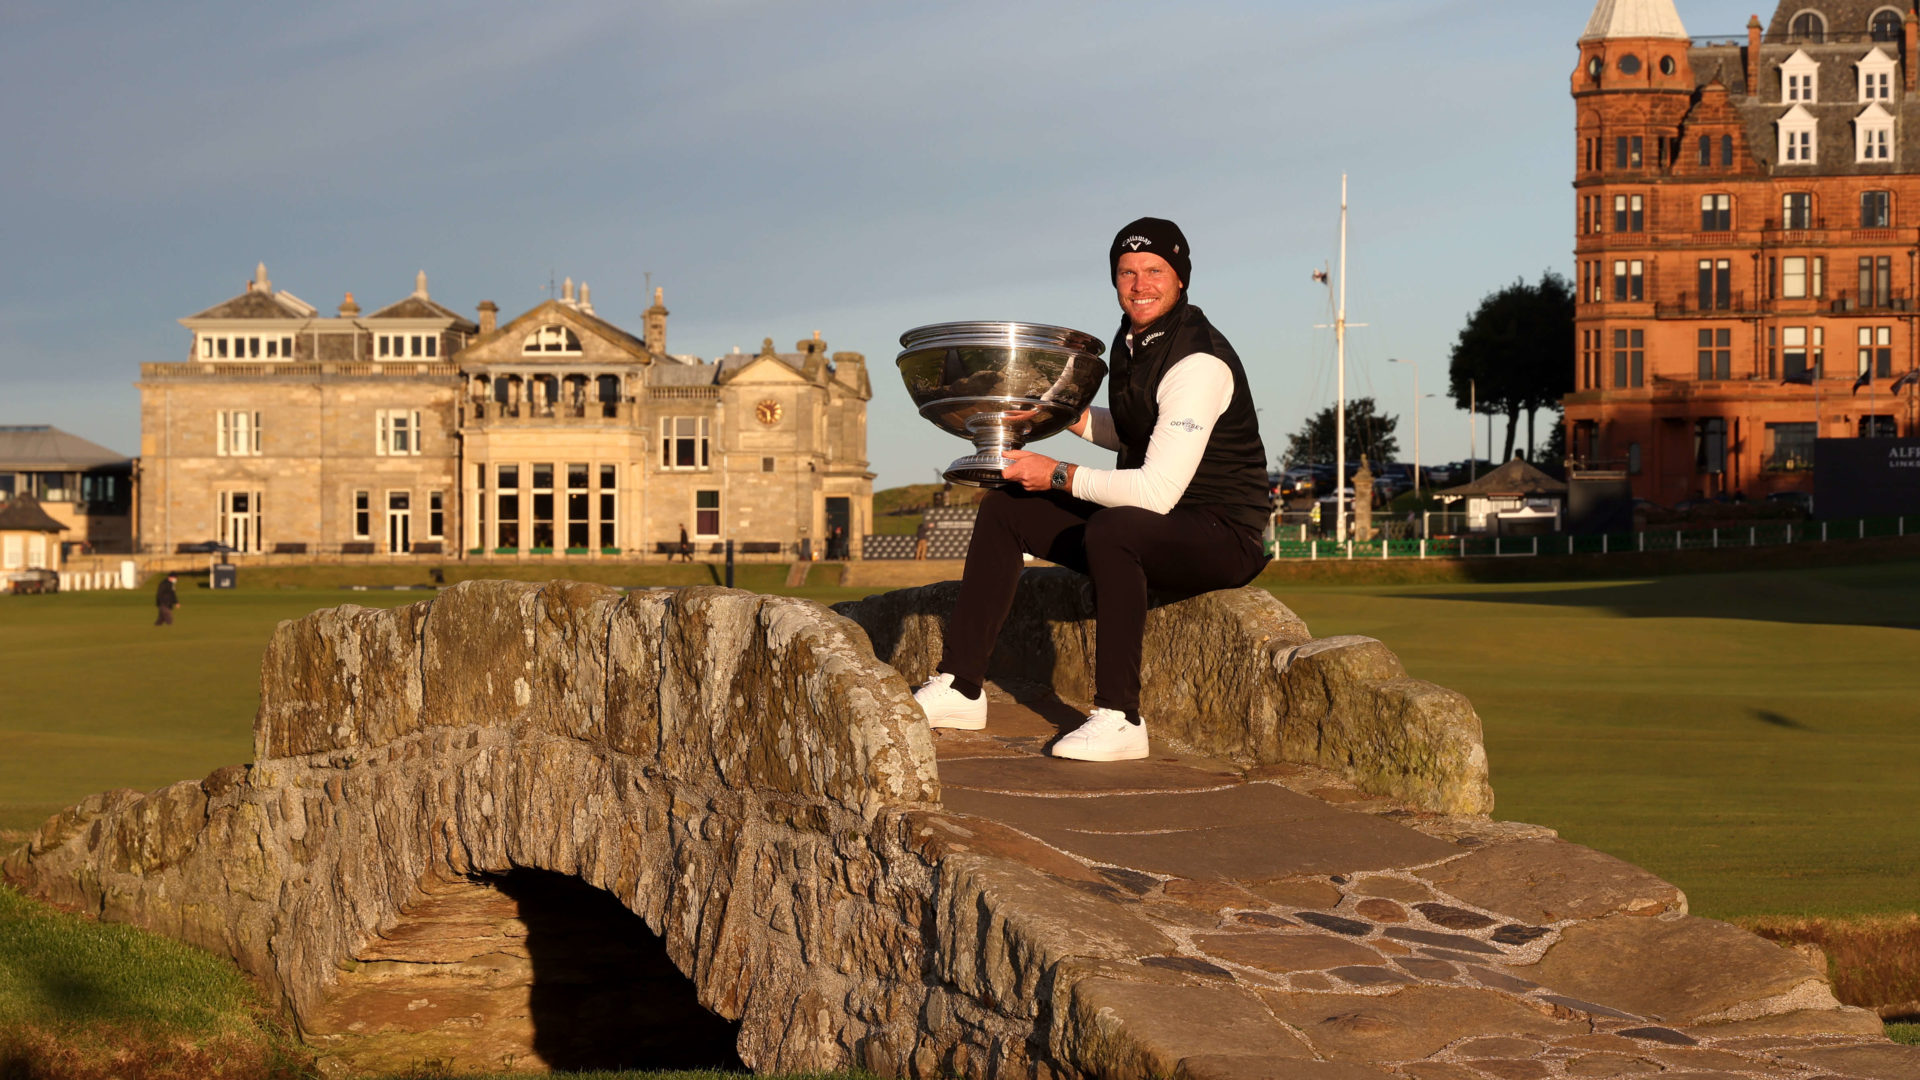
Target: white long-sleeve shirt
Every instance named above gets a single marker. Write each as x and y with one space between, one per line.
1191 397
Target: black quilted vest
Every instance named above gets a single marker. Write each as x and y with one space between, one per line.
1232 477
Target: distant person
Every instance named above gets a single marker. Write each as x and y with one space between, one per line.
686 547
166 599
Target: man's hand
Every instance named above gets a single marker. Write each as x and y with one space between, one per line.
1030 470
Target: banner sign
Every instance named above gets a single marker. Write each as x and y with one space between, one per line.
1855 478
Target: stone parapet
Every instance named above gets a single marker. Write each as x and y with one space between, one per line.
1233 674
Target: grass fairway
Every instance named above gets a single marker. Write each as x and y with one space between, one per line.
97 697
1753 738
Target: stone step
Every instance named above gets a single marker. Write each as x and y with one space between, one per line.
1269 923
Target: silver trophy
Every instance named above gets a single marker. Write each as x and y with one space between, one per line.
1000 385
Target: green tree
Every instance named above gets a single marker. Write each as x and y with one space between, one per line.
1368 432
1517 351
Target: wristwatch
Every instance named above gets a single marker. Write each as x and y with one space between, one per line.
1060 476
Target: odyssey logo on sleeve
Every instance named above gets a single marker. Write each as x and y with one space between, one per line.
1186 424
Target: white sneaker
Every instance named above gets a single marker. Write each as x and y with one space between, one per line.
949 708
1106 736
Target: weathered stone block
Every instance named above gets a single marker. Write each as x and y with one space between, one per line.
340 679
1232 674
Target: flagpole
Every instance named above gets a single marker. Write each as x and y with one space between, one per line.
1340 398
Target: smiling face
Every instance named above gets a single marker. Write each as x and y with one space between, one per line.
1147 286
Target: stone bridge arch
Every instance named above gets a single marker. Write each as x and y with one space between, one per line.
729 766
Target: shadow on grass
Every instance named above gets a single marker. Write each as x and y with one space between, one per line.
1768 716
1886 595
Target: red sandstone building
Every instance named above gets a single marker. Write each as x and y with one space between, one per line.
1748 212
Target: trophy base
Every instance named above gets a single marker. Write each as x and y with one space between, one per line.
977 470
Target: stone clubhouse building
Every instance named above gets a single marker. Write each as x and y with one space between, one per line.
412 430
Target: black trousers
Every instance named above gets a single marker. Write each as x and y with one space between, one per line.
1124 549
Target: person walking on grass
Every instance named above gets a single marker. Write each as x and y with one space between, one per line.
686 546
166 599
1182 513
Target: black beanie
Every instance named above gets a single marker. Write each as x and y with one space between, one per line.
1155 236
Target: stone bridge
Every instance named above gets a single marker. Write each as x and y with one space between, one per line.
564 825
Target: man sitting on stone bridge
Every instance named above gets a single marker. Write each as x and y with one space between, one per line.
1182 512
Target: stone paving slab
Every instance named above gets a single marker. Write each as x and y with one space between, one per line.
1283 927
1242 804
1255 852
1024 774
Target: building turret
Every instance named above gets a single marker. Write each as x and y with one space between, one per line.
656 324
1632 88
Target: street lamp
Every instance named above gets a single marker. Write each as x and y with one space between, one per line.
1473 454
1416 421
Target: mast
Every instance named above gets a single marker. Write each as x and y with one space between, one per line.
1340 394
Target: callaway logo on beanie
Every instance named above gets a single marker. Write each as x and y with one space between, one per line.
1155 236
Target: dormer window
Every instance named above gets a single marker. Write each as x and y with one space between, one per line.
406 346
1808 26
1873 134
552 339
1885 25
1798 79
246 346
1797 143
1876 76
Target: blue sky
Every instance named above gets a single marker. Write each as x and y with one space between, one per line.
782 167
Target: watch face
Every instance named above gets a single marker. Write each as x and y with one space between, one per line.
767 412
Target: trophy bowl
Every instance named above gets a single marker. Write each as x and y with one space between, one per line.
1000 385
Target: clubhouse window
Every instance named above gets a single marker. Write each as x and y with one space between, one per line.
1716 284
684 442
706 514
236 433
1876 209
1876 351
1876 280
579 506
1629 358
1716 213
1791 446
396 432
507 507
424 346
1715 353
1710 444
362 515
1796 210
609 505
246 347
1629 213
1629 279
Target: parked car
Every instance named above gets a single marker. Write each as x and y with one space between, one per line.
25 582
1296 482
1801 499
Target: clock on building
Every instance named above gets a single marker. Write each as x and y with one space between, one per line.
767 412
